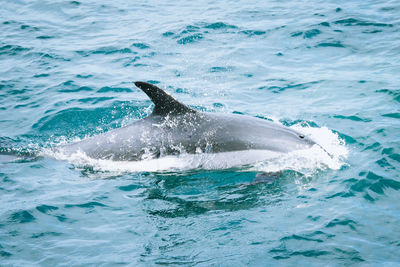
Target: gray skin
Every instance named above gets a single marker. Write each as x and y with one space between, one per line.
174 128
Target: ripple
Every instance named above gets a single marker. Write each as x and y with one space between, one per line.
357 22
251 33
342 222
352 118
21 217
70 87
13 50
394 115
395 93
45 234
141 45
221 69
107 89
90 205
46 209
331 44
220 25
190 39
280 85
108 50
307 34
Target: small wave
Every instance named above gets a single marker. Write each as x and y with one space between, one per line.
357 22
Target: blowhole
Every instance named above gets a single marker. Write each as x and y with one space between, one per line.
301 136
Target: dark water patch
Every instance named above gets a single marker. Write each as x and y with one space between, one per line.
291 85
395 115
45 234
352 118
251 33
18 92
190 28
32 105
141 45
168 34
372 176
395 157
295 34
348 253
383 163
63 218
90 205
182 90
373 183
330 44
356 22
95 100
221 69
8 22
45 37
307 34
375 147
310 253
371 31
75 3
7 85
71 87
46 209
131 187
395 93
311 33
45 58
190 39
21 217
132 61
220 25
109 50
325 24
107 89
302 238
28 27
347 138
302 123
361 185
82 76
218 105
153 81
342 222
42 75
387 151
5 254
13 50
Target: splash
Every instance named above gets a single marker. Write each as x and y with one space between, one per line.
331 154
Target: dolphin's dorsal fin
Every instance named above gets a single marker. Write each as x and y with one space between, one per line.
164 104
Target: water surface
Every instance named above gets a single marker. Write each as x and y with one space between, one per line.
328 68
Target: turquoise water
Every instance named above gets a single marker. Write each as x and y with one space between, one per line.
328 68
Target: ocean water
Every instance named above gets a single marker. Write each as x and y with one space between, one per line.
327 68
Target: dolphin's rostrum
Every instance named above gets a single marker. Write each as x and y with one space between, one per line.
174 128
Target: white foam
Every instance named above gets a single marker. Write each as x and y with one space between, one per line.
305 161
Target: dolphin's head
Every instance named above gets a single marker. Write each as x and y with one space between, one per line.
307 141
285 140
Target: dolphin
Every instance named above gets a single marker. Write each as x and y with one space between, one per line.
173 128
